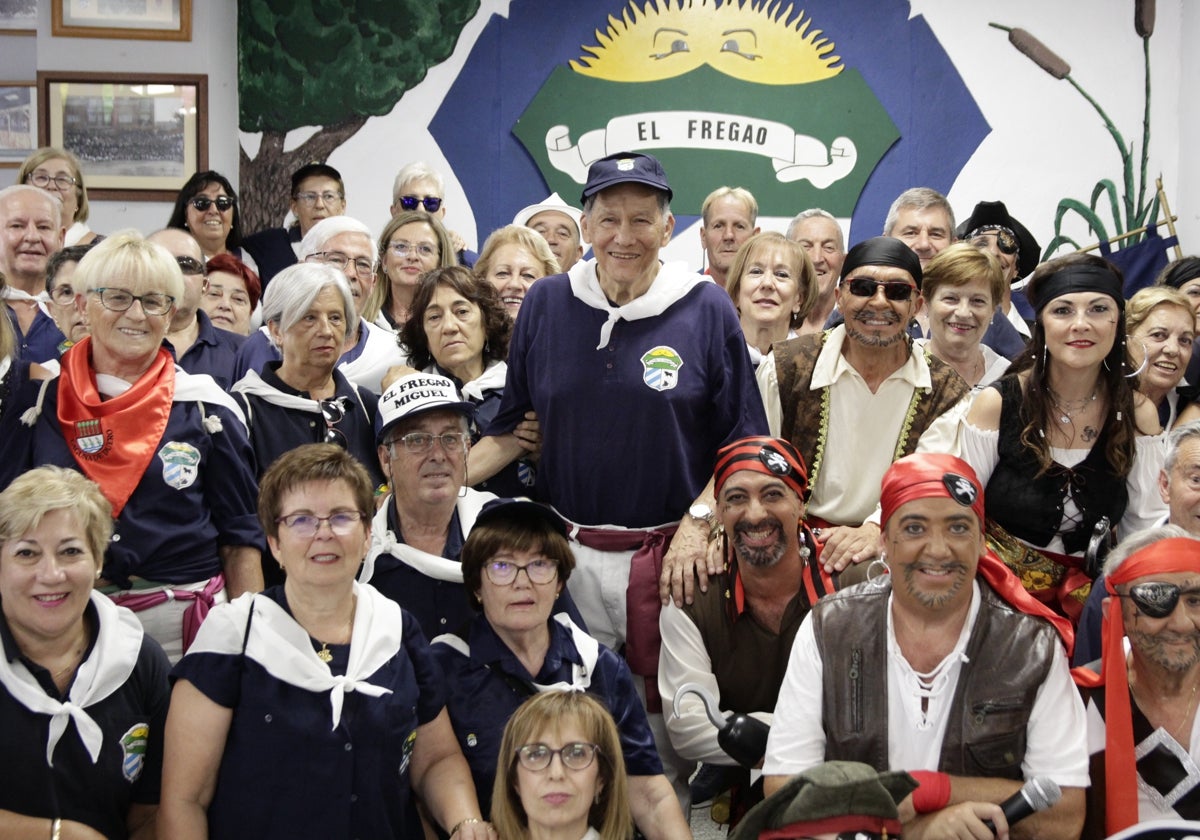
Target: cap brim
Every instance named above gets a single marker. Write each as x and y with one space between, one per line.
592 189
526 213
467 409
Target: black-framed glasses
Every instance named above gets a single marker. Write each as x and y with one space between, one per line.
504 572
1158 599
61 183
1006 240
334 412
203 202
190 266
577 755
895 290
363 267
306 525
63 295
430 203
119 300
403 249
418 443
310 198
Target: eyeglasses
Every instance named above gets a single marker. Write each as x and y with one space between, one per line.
63 295
310 198
1158 599
203 202
895 290
334 412
306 525
577 755
217 293
418 443
403 249
429 202
1006 240
62 183
119 300
503 572
362 266
190 266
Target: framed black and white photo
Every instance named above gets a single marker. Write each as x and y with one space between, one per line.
18 122
158 20
18 17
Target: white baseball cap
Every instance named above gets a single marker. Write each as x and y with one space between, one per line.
416 394
555 203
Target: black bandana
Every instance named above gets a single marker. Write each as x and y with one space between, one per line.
883 250
1079 278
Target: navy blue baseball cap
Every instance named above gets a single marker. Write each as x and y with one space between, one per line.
521 508
626 168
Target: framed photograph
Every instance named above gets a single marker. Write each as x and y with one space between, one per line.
157 20
18 17
138 136
18 122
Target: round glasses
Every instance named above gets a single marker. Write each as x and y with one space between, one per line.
120 300
306 525
63 295
577 755
504 572
61 183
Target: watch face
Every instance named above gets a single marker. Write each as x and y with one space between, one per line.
701 511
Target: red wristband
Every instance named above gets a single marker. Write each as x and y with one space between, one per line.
933 792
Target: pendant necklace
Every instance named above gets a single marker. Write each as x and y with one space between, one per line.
325 654
1068 410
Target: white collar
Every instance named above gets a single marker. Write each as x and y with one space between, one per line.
384 541
673 281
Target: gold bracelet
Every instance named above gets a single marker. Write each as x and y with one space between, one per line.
460 824
56 829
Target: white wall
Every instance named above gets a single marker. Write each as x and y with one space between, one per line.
1046 142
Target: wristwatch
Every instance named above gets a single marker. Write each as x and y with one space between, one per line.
702 513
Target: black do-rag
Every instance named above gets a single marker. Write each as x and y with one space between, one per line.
1076 278
883 250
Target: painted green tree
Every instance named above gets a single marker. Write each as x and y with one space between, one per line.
327 63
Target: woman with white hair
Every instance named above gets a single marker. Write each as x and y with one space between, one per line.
168 450
369 350
304 397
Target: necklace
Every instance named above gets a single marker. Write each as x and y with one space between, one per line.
1069 408
325 654
1187 713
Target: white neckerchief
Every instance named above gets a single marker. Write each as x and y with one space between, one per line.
674 280
283 648
12 293
581 673
253 384
383 541
118 642
589 652
492 379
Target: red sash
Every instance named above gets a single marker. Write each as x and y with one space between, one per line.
114 440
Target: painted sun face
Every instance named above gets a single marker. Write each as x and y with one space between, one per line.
752 41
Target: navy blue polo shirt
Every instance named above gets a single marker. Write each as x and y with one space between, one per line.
176 520
285 773
40 344
625 442
129 769
487 688
214 352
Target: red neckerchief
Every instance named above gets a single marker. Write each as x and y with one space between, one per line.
114 440
1177 554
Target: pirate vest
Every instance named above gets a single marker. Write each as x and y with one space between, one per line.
1009 657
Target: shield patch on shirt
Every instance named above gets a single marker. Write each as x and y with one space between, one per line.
88 436
133 750
180 461
660 368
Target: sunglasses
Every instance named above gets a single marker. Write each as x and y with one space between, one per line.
895 290
1156 598
1006 240
429 202
190 266
334 412
203 202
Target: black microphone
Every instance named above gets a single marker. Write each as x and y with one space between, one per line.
1038 794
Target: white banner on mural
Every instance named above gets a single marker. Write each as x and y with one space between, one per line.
794 156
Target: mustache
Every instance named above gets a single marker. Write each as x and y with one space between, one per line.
769 521
883 315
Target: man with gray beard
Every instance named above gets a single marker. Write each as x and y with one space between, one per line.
854 398
734 638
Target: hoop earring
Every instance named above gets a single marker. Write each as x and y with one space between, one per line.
878 572
1143 365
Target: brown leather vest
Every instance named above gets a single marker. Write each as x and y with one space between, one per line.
1009 656
805 421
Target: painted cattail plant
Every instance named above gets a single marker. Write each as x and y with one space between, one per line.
1136 211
